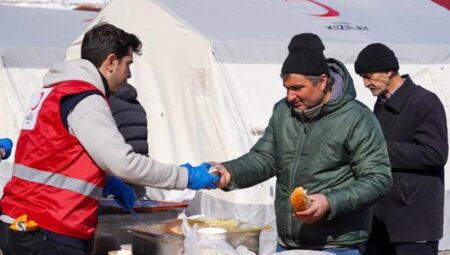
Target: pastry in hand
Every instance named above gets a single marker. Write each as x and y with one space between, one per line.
299 199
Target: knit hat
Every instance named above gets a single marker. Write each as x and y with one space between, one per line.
305 56
376 57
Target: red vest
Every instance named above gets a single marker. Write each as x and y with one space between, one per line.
54 180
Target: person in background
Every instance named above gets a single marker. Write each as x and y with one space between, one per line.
131 120
322 139
69 143
409 220
5 148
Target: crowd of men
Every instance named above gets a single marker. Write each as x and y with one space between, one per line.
375 179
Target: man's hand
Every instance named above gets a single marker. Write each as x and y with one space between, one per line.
123 194
5 146
223 173
199 178
319 207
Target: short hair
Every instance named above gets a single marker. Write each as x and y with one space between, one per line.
104 39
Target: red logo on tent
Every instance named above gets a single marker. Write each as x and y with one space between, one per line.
443 3
330 11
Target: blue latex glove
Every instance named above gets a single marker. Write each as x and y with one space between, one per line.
123 194
199 178
6 144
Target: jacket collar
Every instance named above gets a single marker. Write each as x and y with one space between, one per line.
105 85
78 69
399 98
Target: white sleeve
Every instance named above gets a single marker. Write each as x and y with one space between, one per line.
92 123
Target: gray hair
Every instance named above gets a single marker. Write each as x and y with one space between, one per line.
316 78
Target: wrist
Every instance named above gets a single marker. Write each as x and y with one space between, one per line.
191 176
2 153
231 186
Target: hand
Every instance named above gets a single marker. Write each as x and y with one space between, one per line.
223 173
6 144
123 194
199 178
319 207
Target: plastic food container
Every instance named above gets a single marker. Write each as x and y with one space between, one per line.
212 233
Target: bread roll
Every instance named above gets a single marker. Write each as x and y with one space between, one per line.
299 199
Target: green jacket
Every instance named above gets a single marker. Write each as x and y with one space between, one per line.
341 154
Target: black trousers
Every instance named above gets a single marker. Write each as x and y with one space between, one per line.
379 244
32 243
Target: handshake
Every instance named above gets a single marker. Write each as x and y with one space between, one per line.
200 177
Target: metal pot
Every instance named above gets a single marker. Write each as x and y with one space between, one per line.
159 239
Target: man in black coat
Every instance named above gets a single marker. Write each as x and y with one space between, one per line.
409 220
131 119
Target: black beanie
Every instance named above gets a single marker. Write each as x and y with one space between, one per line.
305 56
376 57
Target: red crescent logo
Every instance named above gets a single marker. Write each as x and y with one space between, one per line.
37 104
443 3
330 11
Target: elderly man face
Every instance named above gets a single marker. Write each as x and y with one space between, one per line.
377 82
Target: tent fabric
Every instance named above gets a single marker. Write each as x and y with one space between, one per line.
209 73
37 37
249 28
33 39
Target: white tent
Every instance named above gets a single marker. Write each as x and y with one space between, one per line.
32 40
209 73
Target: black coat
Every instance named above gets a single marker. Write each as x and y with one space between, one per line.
130 118
415 128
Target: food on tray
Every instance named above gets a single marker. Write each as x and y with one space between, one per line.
228 224
300 200
176 230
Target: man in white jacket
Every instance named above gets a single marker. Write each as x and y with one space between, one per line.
68 145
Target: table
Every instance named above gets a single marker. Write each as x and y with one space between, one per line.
113 225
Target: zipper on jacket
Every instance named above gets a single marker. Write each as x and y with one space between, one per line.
301 146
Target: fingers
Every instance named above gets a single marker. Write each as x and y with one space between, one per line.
201 178
225 177
213 182
306 217
212 186
319 207
214 179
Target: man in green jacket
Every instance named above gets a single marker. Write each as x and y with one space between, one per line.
322 139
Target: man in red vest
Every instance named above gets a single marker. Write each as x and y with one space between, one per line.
69 143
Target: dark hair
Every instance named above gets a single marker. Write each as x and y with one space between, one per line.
104 39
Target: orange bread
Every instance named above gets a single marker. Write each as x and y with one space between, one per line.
299 199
